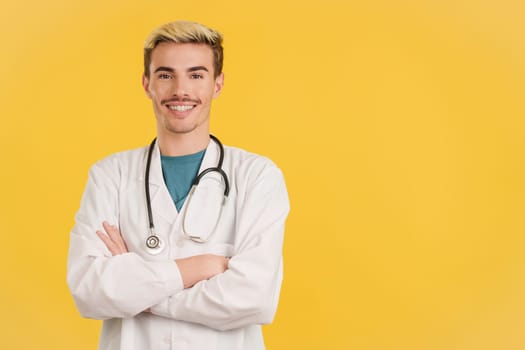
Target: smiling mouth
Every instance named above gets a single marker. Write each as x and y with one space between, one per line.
180 108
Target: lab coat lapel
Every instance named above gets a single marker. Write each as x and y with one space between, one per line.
161 202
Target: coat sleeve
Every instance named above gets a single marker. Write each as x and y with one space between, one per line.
248 291
105 286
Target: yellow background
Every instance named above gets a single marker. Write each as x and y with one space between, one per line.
399 126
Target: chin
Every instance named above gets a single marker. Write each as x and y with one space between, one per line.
180 129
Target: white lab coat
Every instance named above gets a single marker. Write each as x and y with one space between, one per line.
224 312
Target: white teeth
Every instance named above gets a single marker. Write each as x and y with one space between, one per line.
180 108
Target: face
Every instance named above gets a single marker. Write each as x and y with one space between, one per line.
181 86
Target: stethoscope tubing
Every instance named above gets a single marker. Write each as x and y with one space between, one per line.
153 241
146 179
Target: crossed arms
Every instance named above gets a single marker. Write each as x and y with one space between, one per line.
192 269
107 281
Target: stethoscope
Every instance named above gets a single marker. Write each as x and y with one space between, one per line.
154 244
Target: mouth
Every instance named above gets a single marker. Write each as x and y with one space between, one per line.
180 108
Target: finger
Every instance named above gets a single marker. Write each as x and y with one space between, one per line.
108 242
121 238
124 243
115 235
111 234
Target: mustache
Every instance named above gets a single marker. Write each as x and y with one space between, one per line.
178 99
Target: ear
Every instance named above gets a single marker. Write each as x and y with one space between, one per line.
145 85
219 83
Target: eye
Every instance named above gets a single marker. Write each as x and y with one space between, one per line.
164 76
197 76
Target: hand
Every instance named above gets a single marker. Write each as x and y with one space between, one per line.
113 239
201 267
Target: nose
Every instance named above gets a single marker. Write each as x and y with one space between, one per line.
180 87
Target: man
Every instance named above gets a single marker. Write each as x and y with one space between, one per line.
163 268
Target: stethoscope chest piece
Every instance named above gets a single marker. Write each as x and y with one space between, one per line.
154 244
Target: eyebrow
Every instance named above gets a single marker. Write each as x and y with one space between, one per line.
171 70
164 69
193 69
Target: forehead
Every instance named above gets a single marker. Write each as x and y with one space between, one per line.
181 56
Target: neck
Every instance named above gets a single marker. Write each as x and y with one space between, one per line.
174 145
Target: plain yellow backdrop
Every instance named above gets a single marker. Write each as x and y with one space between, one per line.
399 126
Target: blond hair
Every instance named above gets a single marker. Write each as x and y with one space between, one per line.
185 32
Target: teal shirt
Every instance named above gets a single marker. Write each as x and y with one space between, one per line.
179 173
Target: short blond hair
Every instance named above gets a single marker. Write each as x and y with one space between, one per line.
185 32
